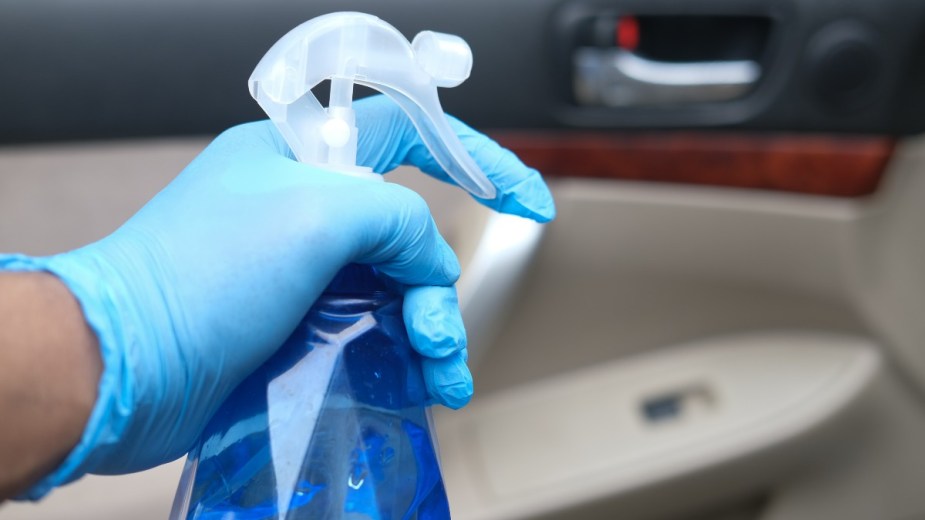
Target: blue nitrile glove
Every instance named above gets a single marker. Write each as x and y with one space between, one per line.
206 281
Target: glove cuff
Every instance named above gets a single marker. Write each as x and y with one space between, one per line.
110 415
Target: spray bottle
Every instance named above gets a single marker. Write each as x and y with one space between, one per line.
336 423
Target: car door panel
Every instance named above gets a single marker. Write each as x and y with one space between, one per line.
724 321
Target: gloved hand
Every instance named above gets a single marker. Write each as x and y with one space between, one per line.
206 281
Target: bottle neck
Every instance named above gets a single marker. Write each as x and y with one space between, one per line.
361 279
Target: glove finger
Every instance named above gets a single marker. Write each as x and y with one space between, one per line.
401 239
433 320
448 380
388 138
521 189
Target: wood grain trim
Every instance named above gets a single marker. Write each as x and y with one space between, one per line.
832 165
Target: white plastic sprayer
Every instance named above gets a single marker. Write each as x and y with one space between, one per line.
357 48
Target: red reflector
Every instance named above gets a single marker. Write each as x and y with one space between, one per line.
627 33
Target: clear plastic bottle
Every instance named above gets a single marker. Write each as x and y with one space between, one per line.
365 453
336 424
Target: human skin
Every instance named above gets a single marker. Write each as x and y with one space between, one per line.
50 367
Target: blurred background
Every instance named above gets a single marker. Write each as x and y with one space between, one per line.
724 322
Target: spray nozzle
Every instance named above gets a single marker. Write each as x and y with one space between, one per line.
356 48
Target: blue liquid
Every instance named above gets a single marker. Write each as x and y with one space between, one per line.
280 449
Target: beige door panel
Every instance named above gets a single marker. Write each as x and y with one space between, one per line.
888 261
633 272
750 405
629 267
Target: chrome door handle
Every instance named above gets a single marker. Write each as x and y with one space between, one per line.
616 77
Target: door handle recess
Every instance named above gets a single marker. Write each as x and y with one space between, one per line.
620 436
621 78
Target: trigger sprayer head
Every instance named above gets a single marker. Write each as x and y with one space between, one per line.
356 48
444 57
